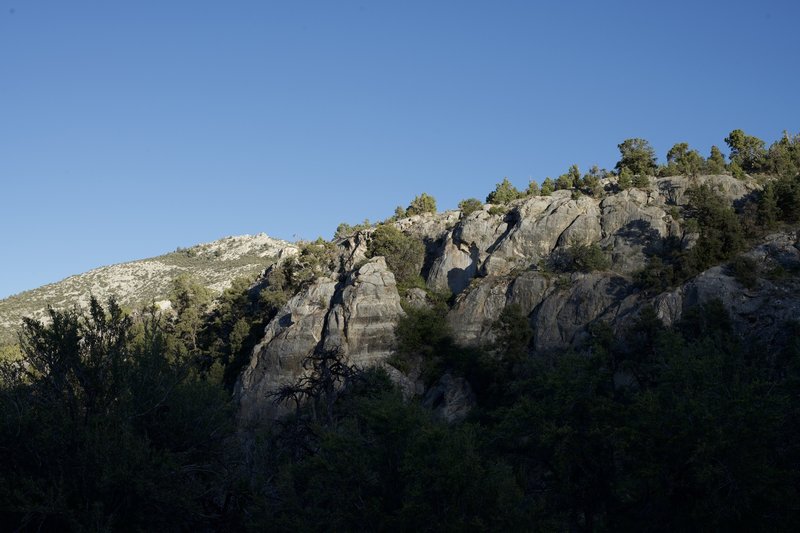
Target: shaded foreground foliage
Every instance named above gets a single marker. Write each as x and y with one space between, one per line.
665 429
104 426
108 424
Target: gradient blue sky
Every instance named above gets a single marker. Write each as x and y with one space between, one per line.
129 128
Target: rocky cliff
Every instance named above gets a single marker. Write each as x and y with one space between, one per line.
355 315
489 260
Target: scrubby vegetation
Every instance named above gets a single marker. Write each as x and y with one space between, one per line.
721 232
404 254
105 425
107 422
580 257
504 193
344 229
469 206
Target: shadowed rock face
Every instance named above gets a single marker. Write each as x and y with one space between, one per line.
356 316
760 312
451 398
490 261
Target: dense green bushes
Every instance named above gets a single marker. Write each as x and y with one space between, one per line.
580 257
424 203
664 426
404 254
504 193
721 234
786 194
720 237
383 464
783 157
104 426
469 206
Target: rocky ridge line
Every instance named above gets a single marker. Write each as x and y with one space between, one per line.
490 261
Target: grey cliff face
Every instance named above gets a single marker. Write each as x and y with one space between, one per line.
489 261
356 316
291 336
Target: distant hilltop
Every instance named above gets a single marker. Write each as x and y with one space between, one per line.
215 264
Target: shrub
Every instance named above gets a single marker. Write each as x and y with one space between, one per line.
10 353
498 210
737 171
580 257
548 187
315 259
590 184
424 203
564 182
404 254
513 333
745 270
715 164
421 330
637 156
625 180
345 230
570 180
747 151
422 333
469 206
787 196
641 181
768 211
503 193
720 231
783 158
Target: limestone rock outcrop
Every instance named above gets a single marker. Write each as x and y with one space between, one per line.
290 337
490 259
356 316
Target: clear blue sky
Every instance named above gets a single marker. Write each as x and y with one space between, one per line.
129 128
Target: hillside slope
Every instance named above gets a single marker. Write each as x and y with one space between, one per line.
215 264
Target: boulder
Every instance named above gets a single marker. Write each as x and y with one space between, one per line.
450 398
465 249
454 267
